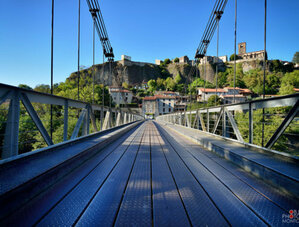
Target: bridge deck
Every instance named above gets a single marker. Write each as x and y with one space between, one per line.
151 176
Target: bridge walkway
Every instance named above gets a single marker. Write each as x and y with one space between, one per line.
153 176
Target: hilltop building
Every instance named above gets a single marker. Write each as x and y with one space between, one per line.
255 55
163 102
226 94
120 95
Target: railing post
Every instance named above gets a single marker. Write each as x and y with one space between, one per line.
118 119
102 117
125 118
250 122
11 137
208 121
224 129
65 119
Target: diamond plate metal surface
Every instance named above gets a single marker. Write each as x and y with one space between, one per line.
70 208
105 204
230 206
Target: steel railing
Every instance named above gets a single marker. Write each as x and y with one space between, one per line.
244 122
31 117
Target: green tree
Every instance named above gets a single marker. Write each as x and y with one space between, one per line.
45 88
152 86
170 84
232 57
214 99
239 76
288 82
178 78
222 79
176 60
167 61
296 58
160 84
25 86
125 85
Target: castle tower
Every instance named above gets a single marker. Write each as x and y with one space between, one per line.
242 48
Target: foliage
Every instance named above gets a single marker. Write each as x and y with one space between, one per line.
126 85
239 76
178 78
288 82
167 61
214 100
296 58
152 86
272 120
232 57
170 84
25 86
176 60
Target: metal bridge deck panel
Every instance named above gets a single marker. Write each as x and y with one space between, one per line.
38 207
230 206
153 176
166 199
104 206
135 209
69 209
201 209
249 196
279 165
42 162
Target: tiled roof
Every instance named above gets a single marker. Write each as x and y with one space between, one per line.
236 88
245 90
164 97
207 90
122 91
229 96
149 98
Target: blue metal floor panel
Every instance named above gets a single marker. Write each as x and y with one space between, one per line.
201 209
168 209
135 209
230 206
150 176
70 208
39 206
104 206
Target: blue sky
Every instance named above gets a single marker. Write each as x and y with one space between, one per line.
145 30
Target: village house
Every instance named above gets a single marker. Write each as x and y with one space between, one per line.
227 94
120 95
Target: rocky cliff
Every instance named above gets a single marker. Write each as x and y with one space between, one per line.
116 73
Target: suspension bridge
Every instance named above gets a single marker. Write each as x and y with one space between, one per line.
190 168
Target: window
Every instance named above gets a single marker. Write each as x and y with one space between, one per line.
163 104
169 110
163 110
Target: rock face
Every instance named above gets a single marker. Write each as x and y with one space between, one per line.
181 69
250 64
118 73
132 73
208 71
